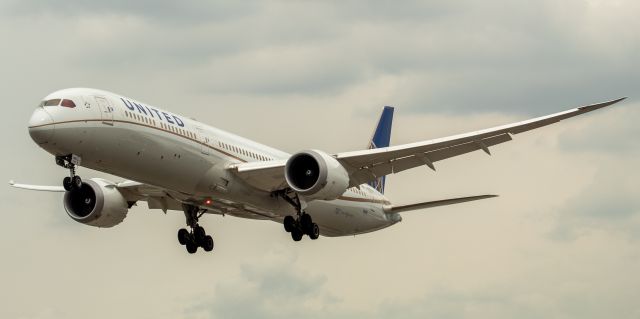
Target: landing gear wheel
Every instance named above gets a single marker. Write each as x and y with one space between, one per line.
192 247
76 182
66 183
289 223
296 234
315 231
199 235
306 223
207 244
183 236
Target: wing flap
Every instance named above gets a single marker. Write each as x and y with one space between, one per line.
426 159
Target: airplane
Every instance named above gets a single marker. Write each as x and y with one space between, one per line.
176 163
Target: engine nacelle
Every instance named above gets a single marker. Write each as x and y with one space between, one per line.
97 203
316 175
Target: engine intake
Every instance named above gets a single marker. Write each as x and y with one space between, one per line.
316 175
97 203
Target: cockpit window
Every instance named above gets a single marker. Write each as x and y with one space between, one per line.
67 103
53 102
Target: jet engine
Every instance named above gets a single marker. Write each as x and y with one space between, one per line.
97 203
316 175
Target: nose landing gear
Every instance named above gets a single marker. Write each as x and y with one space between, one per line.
73 181
197 237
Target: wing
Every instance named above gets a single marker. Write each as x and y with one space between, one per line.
132 191
367 165
267 176
37 187
163 199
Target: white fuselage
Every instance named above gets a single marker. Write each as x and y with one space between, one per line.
136 141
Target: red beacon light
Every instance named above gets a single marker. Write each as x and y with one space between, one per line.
208 201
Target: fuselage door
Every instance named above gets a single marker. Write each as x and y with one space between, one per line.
106 110
204 140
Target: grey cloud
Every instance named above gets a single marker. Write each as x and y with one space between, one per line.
506 301
274 287
189 11
615 132
610 202
303 63
447 58
281 282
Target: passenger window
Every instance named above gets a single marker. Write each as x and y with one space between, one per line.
54 102
68 103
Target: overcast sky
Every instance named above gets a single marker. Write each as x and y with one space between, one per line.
562 240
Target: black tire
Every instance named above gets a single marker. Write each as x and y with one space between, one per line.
289 223
315 232
296 234
183 236
207 244
192 247
306 223
199 234
76 182
66 183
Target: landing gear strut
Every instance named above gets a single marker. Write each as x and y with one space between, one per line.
197 237
300 225
73 181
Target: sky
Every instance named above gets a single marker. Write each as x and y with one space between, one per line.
561 241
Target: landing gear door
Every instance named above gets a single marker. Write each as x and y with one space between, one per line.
106 110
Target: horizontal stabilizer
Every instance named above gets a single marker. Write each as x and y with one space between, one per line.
38 187
436 203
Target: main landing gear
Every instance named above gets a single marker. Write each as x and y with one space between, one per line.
73 181
300 225
197 237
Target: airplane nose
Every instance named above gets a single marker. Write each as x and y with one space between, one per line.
41 126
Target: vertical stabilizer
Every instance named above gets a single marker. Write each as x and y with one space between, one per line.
381 138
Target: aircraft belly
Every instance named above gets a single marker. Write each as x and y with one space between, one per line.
344 218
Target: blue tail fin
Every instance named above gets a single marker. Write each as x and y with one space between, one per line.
381 138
